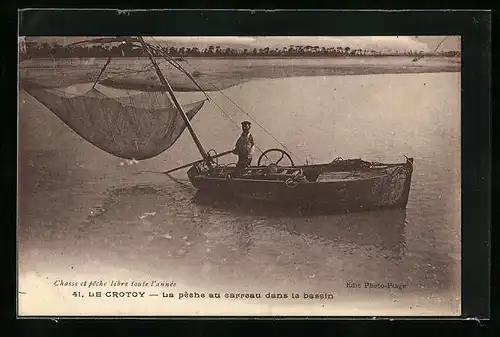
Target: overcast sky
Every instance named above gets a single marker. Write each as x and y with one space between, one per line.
364 42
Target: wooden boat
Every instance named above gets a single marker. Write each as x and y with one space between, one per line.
348 185
136 128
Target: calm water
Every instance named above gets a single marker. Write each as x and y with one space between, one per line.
83 211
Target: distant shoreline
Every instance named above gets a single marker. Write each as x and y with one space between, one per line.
270 57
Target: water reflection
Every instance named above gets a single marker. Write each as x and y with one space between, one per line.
172 212
382 229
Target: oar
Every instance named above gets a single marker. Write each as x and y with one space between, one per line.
196 162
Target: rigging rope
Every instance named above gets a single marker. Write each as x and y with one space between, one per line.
435 49
179 67
234 103
144 69
102 70
225 113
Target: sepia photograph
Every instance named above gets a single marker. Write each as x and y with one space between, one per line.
239 176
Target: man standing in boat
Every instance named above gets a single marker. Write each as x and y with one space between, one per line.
244 149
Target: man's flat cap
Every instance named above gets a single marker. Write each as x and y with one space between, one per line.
246 122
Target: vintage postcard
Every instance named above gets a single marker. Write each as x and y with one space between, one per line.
239 176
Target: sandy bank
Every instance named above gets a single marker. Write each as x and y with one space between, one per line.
218 73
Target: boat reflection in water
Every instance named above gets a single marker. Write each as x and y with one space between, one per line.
382 230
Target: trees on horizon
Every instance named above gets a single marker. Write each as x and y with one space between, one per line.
130 50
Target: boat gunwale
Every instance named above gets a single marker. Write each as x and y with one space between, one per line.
338 181
374 166
378 166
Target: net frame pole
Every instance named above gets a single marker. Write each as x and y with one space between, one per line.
168 87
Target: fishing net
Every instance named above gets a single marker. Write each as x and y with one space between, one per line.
138 124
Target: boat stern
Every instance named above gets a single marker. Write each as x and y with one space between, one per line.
407 184
393 188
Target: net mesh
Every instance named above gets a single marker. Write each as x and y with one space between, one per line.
132 125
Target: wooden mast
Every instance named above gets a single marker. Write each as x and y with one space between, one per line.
168 87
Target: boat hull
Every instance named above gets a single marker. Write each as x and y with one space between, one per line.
327 186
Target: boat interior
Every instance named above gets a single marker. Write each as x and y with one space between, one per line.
318 173
261 172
